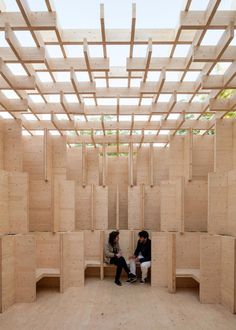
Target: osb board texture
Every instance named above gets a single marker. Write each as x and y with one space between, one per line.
118 175
195 205
210 269
188 250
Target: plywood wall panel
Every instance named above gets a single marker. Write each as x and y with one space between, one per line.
231 205
210 269
13 145
72 260
40 206
152 212
228 273
217 202
143 165
195 205
48 250
203 156
25 265
172 213
188 250
4 211
18 202
82 207
134 216
7 272
100 207
159 259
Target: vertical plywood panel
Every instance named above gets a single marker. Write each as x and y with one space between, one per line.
188 250
134 216
13 145
210 269
224 145
7 272
48 250
228 273
59 154
195 206
143 165
82 207
92 244
40 205
1 146
100 207
203 156
159 259
152 208
25 266
74 164
18 202
231 214
172 213
72 260
217 203
4 213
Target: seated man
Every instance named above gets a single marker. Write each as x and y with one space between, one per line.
142 254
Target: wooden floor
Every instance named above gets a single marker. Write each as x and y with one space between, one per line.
102 305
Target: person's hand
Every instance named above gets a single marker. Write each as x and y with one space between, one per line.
132 257
118 255
137 259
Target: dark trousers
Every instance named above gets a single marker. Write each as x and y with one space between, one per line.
120 264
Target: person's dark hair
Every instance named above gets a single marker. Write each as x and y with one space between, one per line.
112 237
143 234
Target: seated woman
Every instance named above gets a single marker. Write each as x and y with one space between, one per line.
113 255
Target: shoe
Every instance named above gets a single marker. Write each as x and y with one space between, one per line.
117 282
133 279
142 281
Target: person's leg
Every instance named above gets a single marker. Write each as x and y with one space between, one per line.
123 263
117 262
144 268
132 266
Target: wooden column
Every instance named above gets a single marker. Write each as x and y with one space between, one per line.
151 173
190 170
102 254
104 165
131 165
117 208
92 207
171 247
83 164
142 205
45 154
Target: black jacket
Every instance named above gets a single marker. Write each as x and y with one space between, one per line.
144 249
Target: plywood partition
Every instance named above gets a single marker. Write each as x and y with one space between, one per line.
117 208
64 205
4 211
13 145
225 146
231 205
17 270
14 201
83 164
151 165
188 250
228 273
172 205
91 207
134 218
72 268
152 208
160 259
131 165
104 165
7 272
210 269
195 205
25 265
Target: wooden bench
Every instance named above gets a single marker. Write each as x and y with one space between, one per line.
189 273
46 272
